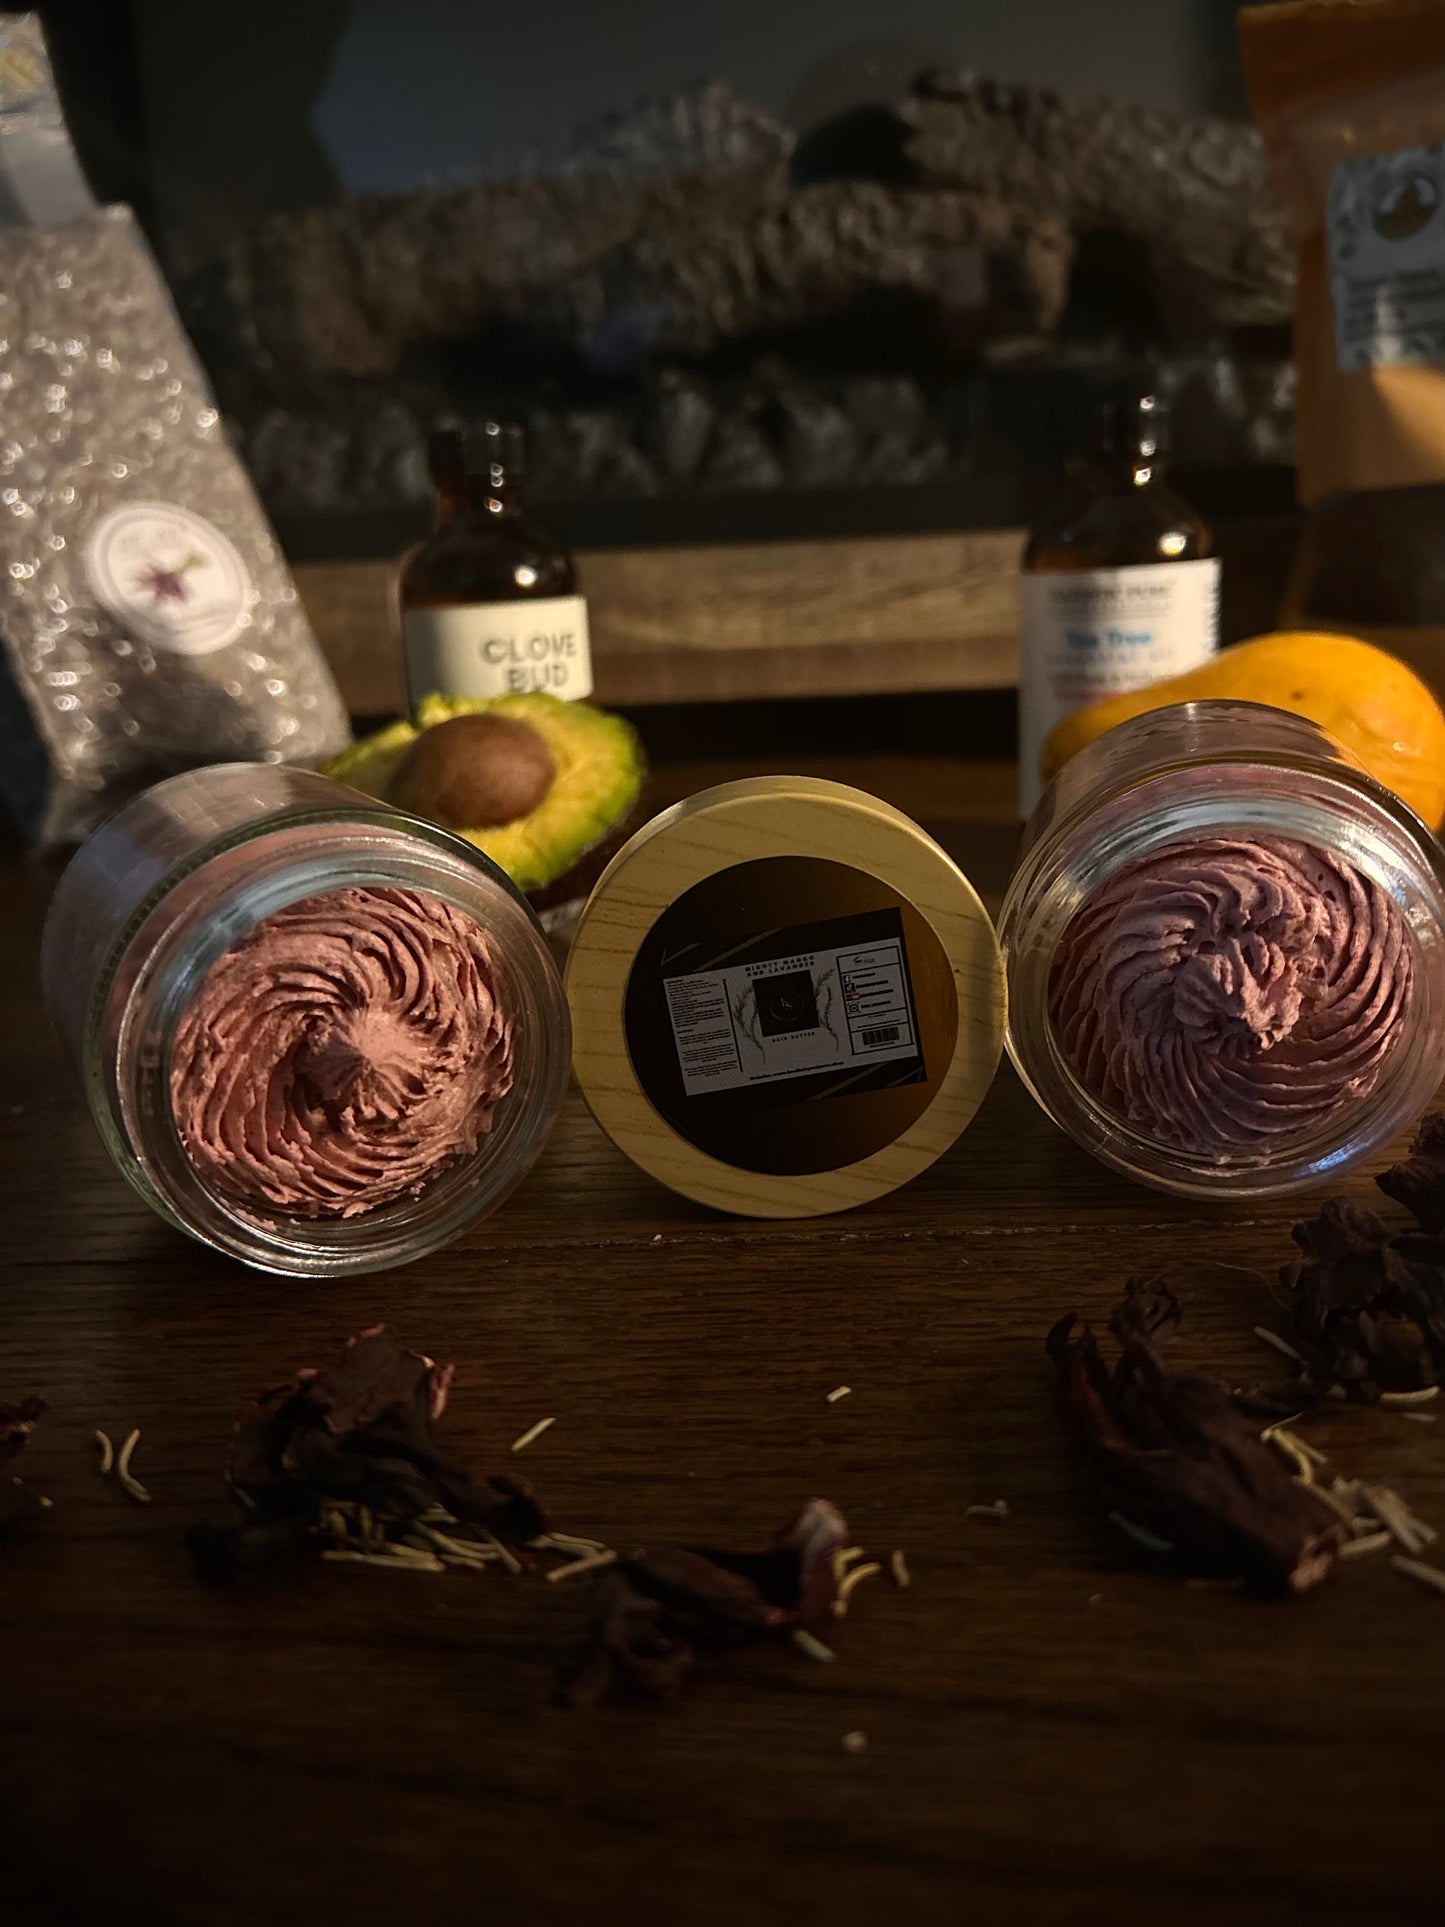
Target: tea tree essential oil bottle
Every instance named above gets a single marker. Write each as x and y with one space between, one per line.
1120 582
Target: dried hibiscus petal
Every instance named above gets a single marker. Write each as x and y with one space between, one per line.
1174 1457
657 1611
796 1575
1418 1276
357 1433
1148 1311
17 1422
1418 1182
19 1502
1368 1307
634 1649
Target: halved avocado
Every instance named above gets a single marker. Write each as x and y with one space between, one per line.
598 778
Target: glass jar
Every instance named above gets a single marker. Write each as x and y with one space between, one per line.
174 880
1230 770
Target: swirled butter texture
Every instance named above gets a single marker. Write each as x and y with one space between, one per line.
345 1051
1231 996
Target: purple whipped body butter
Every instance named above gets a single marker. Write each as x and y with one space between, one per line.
348 1049
1225 947
314 1032
1226 995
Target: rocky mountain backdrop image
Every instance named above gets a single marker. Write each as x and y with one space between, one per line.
696 300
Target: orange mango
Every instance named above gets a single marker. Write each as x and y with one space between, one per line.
1371 702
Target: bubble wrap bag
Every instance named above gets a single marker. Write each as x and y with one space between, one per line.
148 620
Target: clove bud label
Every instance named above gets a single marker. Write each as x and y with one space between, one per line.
500 649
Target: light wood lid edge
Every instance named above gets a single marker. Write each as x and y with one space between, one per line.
738 823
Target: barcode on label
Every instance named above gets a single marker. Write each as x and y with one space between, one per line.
882 1034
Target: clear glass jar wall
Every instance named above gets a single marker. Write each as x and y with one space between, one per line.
176 879
1221 770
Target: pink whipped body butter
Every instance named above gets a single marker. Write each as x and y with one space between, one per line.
315 1032
1229 994
343 1053
1226 953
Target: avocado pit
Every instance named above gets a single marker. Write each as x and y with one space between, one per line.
474 772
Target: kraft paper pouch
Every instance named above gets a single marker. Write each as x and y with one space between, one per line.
1349 96
147 617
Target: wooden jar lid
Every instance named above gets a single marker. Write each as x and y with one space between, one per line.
786 998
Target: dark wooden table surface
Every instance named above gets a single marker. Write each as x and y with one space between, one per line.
1057 1731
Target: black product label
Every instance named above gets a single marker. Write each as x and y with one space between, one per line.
832 1000
788 1045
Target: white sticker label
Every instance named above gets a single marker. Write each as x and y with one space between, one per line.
819 1010
170 577
1101 632
499 649
1385 224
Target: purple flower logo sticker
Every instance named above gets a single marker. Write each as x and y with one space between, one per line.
168 577
168 585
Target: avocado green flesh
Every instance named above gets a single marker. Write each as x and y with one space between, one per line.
368 765
599 772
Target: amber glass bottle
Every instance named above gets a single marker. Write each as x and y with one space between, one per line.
1120 583
489 602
